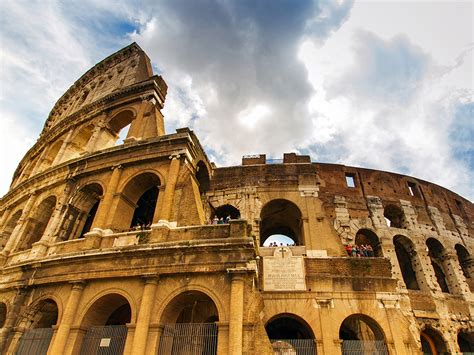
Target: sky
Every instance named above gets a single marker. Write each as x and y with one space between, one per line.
378 84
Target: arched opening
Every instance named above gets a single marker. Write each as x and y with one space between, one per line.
3 314
189 325
137 202
281 218
405 251
435 253
394 216
202 176
466 342
38 321
107 319
37 223
289 334
78 144
365 237
361 334
8 229
51 155
432 342
466 264
120 126
79 213
226 212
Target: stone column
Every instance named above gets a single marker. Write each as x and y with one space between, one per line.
165 213
69 315
11 318
330 344
104 215
3 220
236 313
62 150
143 321
454 276
19 229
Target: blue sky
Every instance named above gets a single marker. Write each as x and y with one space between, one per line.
379 84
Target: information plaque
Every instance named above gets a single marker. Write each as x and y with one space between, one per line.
283 271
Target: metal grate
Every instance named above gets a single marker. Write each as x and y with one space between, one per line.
35 341
293 346
188 339
106 340
364 347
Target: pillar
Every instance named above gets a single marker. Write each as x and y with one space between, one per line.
143 322
69 315
62 150
454 276
3 220
330 344
165 213
12 315
236 313
104 215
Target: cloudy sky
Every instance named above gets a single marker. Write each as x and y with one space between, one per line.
378 84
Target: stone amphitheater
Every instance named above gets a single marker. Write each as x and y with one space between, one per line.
144 246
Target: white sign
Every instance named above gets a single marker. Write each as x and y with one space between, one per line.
104 342
283 271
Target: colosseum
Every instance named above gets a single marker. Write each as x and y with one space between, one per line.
144 246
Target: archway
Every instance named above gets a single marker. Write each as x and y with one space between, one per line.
281 218
361 334
405 251
78 144
466 342
120 126
51 155
289 334
137 202
202 176
189 325
432 342
226 211
466 263
394 216
37 223
368 237
8 229
38 321
80 212
107 319
435 253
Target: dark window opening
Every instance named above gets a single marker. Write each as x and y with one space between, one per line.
406 267
285 327
367 237
281 217
120 316
466 342
360 327
143 215
432 342
350 180
440 277
413 189
394 216
89 220
226 211
202 176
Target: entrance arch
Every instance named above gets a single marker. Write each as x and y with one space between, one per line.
38 321
466 342
107 318
361 334
281 218
290 334
189 325
432 342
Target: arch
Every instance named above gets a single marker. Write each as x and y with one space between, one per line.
405 251
190 307
368 237
51 154
361 332
464 259
37 223
281 217
432 342
202 176
3 313
80 211
466 341
435 253
38 320
78 143
9 226
225 211
394 216
107 317
138 201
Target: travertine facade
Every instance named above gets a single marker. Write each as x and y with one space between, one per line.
108 246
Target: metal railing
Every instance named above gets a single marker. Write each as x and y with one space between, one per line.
35 341
106 340
188 339
293 346
364 347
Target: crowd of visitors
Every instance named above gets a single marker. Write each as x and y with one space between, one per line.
221 220
360 250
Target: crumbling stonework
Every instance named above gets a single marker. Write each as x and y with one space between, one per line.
152 246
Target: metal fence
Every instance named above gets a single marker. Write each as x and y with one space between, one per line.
293 346
188 339
106 340
35 341
364 347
